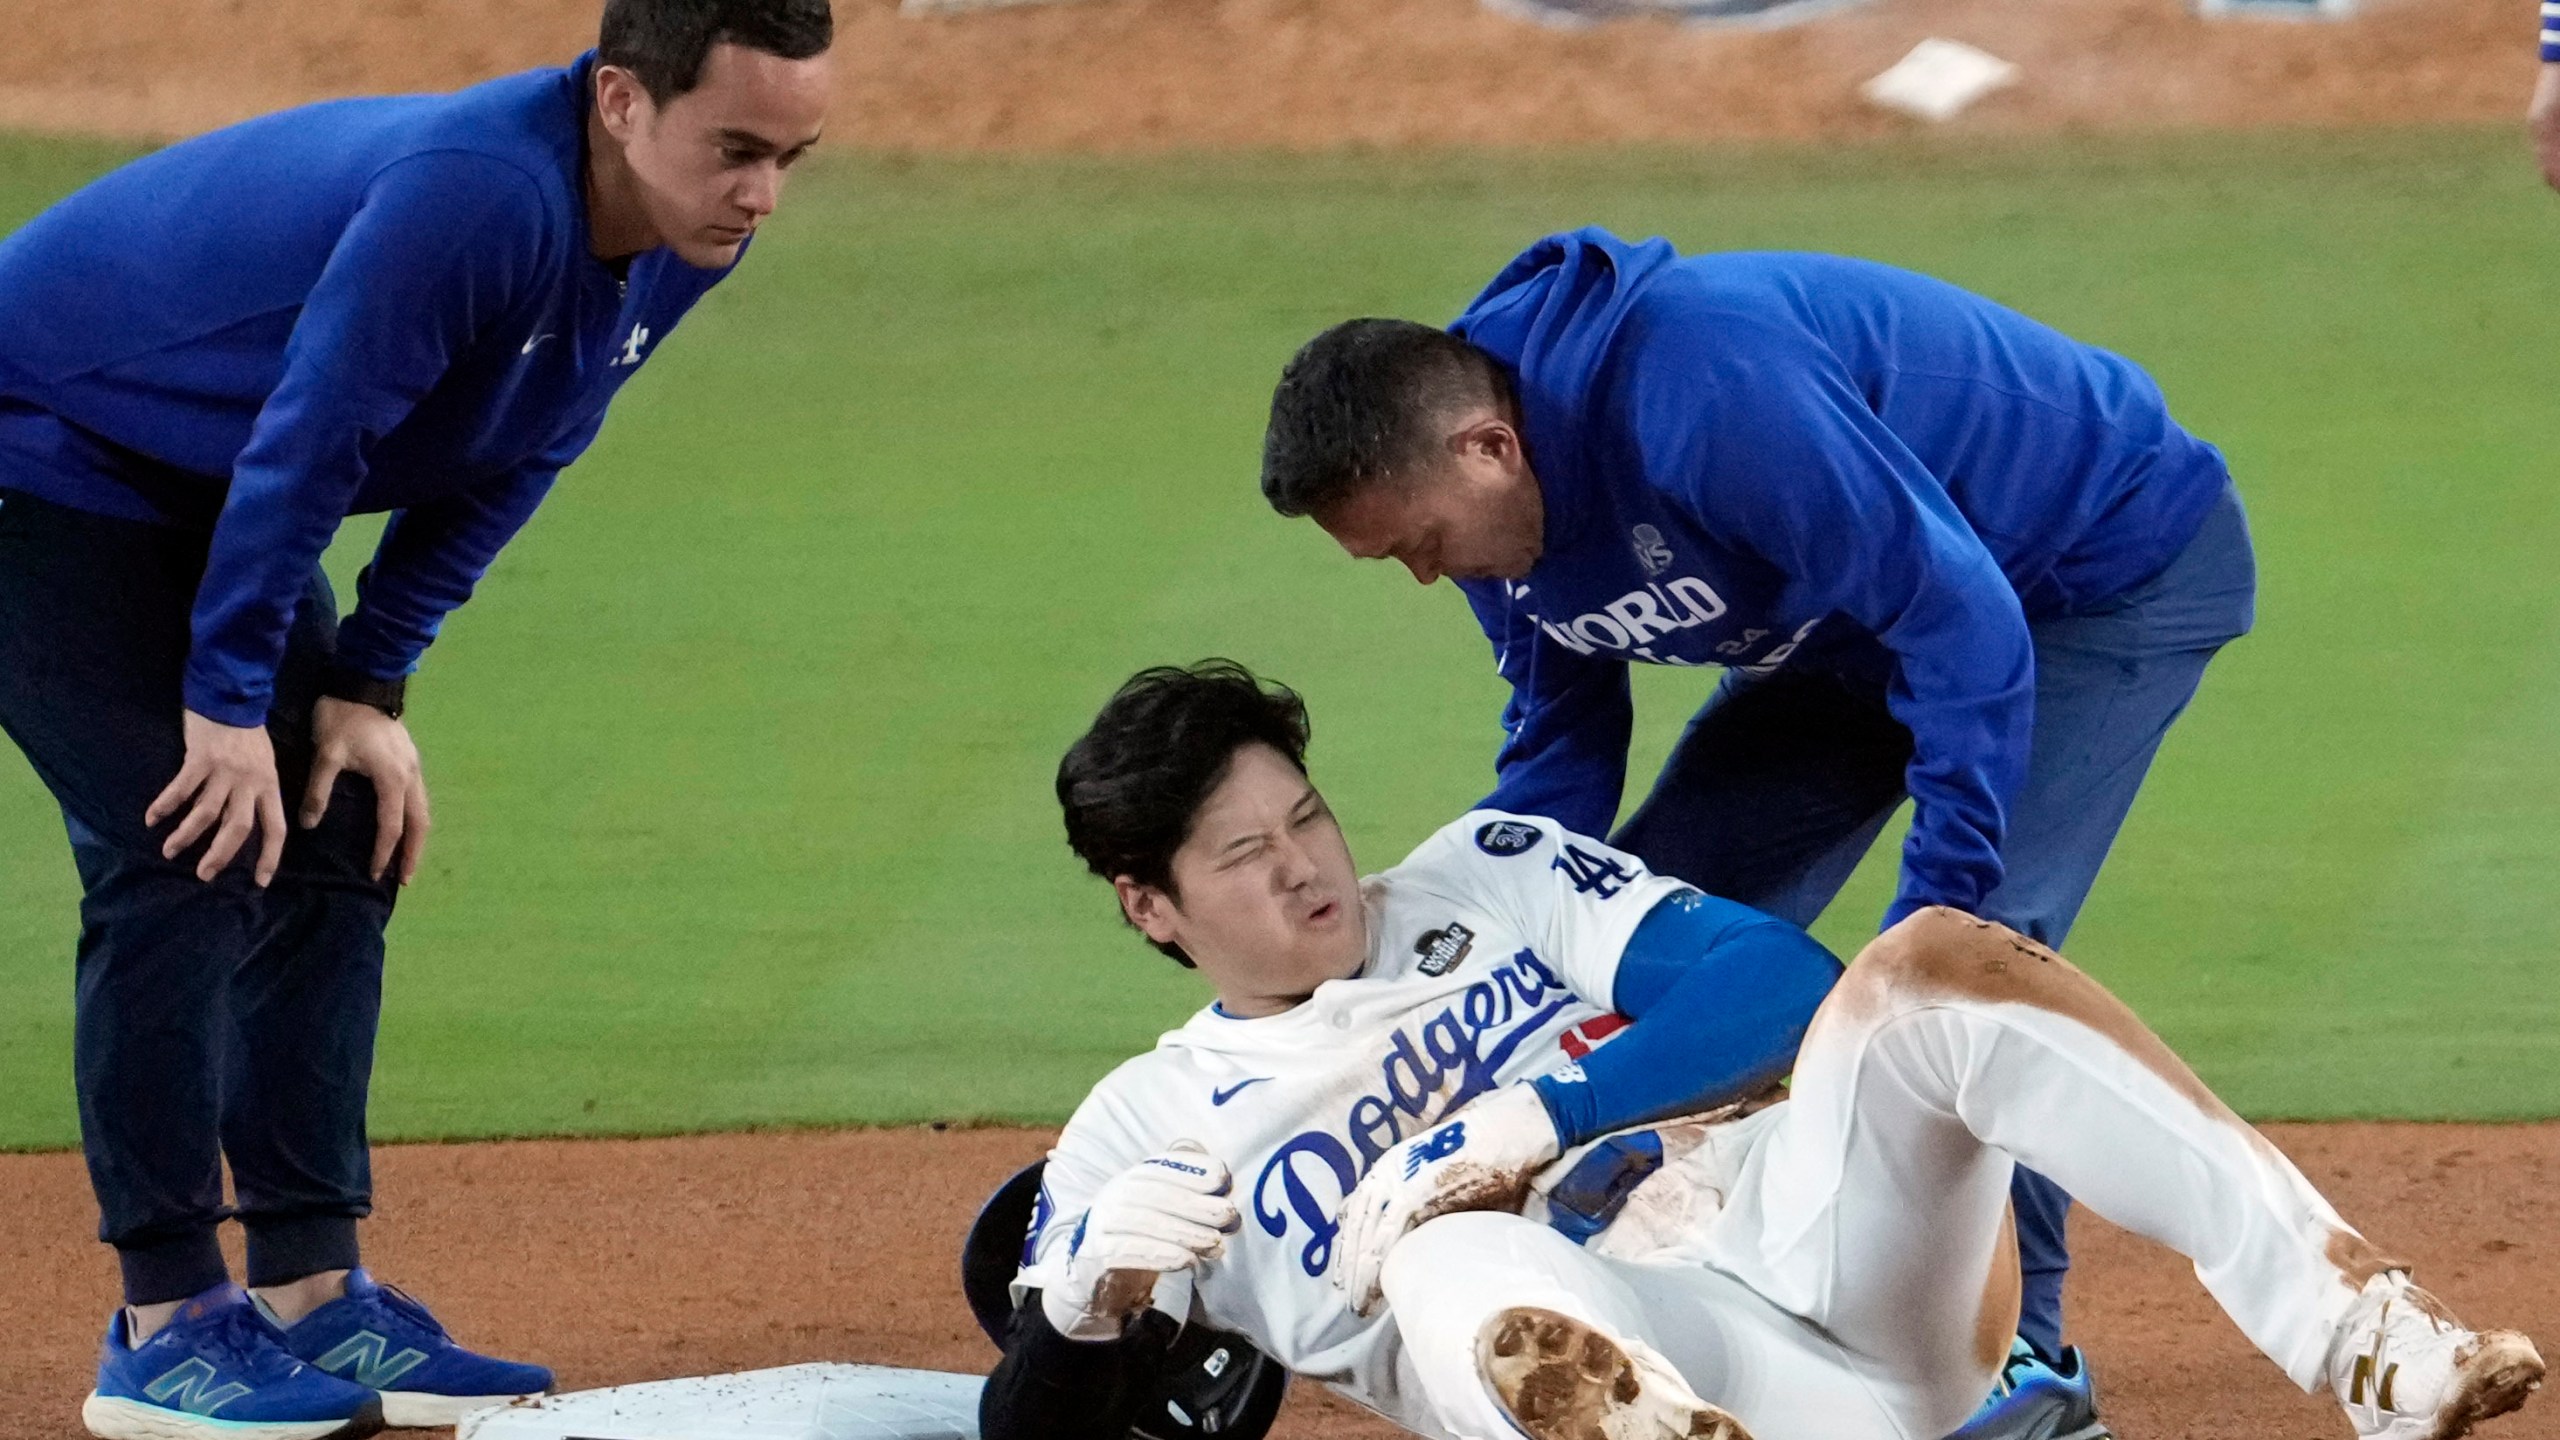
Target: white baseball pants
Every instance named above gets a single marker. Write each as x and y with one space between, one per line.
1849 1274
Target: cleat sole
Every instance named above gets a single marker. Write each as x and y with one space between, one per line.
1560 1379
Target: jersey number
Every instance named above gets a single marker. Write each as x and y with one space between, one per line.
1590 873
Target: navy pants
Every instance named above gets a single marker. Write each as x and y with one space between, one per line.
1783 782
213 1019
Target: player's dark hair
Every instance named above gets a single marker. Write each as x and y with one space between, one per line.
664 42
1362 400
1134 782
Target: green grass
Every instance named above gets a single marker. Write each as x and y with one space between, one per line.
741 757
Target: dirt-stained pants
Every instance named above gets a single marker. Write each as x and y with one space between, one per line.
1855 1277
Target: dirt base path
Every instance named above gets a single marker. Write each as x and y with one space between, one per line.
1122 75
628 1260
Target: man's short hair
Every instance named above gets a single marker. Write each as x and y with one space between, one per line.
1362 400
1135 781
664 42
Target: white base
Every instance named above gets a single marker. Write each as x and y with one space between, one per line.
796 1402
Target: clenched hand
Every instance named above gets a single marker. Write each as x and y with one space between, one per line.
1481 1158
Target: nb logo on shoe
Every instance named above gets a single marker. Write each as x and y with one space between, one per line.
189 1387
2363 1381
359 1357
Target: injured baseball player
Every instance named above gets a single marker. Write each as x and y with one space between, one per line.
1494 1142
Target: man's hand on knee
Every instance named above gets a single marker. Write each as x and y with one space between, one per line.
1479 1159
227 788
357 739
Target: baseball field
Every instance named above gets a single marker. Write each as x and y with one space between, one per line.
748 955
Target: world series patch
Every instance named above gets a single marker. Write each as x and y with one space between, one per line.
1441 950
1506 837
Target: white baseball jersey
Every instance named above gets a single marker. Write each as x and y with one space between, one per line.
1492 940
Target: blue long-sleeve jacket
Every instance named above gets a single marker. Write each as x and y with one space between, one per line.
1758 460
365 305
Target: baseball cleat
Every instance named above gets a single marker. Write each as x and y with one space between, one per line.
2405 1369
380 1338
2033 1400
216 1372
1561 1379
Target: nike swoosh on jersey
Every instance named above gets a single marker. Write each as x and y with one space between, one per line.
1221 1097
536 340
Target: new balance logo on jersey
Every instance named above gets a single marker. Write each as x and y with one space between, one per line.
1442 949
190 1387
361 1358
1430 1069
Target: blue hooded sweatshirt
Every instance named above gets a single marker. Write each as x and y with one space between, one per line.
1765 460
364 305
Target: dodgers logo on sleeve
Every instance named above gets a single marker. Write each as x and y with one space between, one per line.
1506 837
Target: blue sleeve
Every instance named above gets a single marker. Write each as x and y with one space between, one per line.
1565 727
439 249
1756 425
1720 995
432 555
2550 34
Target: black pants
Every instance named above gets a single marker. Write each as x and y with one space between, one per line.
214 1019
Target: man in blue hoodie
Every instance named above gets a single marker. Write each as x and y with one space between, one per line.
419 305
1940 551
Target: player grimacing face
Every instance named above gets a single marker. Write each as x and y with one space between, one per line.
707 167
1265 898
1473 513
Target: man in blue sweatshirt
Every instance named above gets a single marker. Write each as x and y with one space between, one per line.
420 305
1938 549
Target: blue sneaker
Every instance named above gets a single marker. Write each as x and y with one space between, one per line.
217 1372
2036 1401
381 1339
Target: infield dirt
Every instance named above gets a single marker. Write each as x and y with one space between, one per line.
616 1261
1145 75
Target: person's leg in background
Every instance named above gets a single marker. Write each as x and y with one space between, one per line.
1774 792
2108 686
305 1006
93 639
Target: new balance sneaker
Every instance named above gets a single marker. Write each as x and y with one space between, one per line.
2033 1400
1560 1379
2405 1369
217 1372
383 1340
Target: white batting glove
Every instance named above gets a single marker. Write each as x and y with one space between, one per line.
1160 1216
1479 1159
